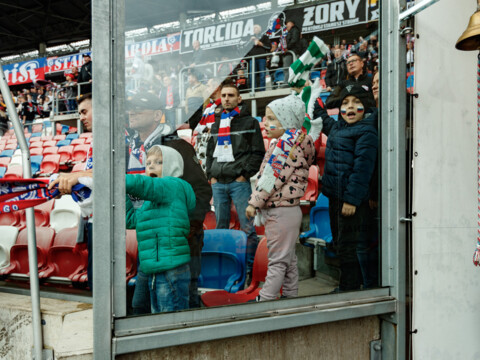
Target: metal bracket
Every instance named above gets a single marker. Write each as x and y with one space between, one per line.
47 354
376 350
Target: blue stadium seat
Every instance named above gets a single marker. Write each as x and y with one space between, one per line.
314 75
223 260
37 134
35 163
7 153
71 137
279 76
63 143
2 171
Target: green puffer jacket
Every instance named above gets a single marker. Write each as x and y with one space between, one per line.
162 222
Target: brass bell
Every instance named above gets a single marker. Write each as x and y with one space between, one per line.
470 39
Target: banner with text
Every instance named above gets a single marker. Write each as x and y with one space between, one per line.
64 63
25 72
158 46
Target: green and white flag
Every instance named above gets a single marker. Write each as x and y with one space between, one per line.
300 70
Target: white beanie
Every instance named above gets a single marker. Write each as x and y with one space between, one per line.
290 111
172 161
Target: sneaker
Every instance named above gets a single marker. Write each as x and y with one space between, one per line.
257 299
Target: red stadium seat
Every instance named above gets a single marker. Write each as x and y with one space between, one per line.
46 138
311 193
10 218
80 153
35 139
50 164
85 135
14 172
19 251
36 151
50 150
78 167
63 259
88 140
4 161
259 273
2 146
79 141
12 141
11 146
210 221
65 153
59 137
36 144
41 212
50 143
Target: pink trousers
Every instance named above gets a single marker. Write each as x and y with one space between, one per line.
282 227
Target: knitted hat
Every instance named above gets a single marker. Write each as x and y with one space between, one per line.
290 111
362 92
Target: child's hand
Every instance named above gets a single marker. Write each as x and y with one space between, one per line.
348 209
250 212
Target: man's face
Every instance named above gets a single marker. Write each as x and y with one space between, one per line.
167 80
230 98
354 65
375 87
85 112
154 165
289 25
257 29
142 119
338 53
352 109
87 59
192 80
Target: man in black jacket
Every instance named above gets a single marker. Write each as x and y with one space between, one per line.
336 70
144 111
85 75
234 154
293 44
261 46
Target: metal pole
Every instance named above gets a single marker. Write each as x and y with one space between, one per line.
32 243
414 10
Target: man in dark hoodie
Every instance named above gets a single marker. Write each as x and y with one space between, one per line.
144 120
235 152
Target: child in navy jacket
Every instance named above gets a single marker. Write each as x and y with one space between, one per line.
350 160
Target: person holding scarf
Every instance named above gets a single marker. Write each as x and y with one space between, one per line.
234 154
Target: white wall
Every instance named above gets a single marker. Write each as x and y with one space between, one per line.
447 287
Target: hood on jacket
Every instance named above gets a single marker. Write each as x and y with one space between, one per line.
172 161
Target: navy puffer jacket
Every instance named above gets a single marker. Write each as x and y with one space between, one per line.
350 156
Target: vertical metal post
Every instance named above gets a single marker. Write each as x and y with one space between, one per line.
32 243
393 152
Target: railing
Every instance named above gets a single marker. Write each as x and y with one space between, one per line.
66 105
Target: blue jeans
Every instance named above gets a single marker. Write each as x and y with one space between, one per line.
141 295
169 289
239 192
260 67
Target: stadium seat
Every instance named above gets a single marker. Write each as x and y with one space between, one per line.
78 167
259 272
12 146
132 254
50 164
66 213
72 136
46 138
63 259
10 218
37 128
7 240
89 140
85 135
65 153
13 172
34 139
3 170
50 143
19 251
63 143
314 75
36 151
37 134
80 153
41 213
2 146
210 221
311 193
79 141
36 144
50 150
36 161
59 137
4 161
223 260
12 141
16 160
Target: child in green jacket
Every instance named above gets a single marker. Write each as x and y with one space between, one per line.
162 225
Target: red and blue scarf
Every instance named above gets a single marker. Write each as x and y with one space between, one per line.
208 117
224 150
20 194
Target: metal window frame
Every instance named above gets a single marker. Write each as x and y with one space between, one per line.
115 334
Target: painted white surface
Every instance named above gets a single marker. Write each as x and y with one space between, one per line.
446 310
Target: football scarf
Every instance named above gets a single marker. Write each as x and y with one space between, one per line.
277 160
299 71
20 194
208 117
224 150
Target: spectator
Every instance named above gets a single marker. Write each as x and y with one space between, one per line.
225 68
28 109
195 94
198 57
3 117
278 191
70 92
261 46
234 154
336 70
163 247
85 75
169 100
66 181
144 118
241 80
293 44
350 160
